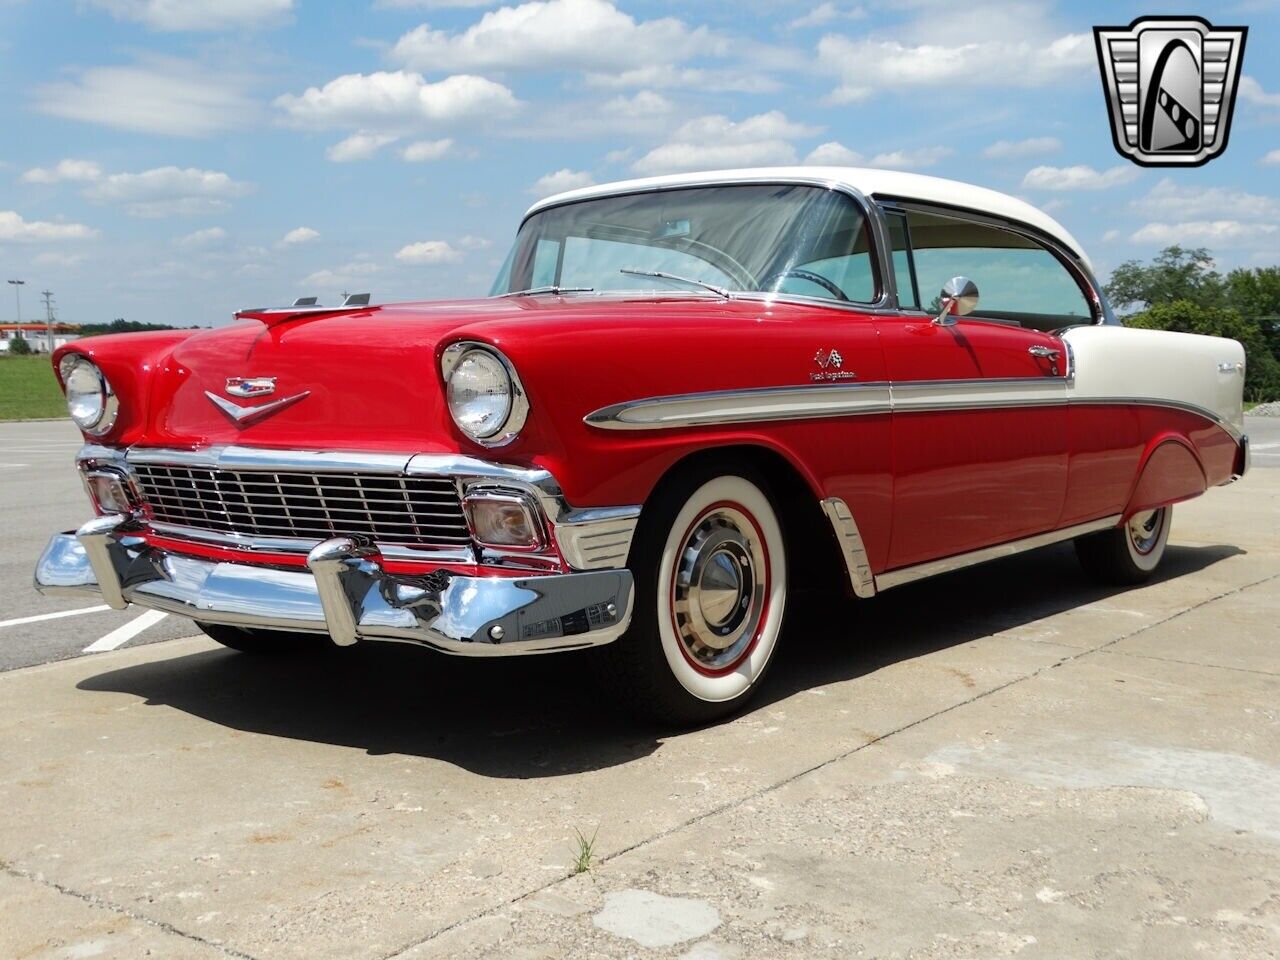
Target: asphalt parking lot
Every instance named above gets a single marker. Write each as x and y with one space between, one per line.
1005 760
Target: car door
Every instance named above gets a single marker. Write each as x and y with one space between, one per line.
979 417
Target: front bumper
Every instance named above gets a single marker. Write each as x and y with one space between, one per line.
345 592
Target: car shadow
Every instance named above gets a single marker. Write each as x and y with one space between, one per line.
549 716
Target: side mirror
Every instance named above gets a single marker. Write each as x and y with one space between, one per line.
959 298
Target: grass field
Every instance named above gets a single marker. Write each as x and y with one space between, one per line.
28 389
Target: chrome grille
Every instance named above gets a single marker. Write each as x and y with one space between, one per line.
411 511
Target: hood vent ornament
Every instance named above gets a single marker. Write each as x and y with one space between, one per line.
243 416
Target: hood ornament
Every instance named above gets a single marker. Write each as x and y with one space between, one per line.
243 416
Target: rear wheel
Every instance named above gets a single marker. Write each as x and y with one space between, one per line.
269 642
1130 553
711 584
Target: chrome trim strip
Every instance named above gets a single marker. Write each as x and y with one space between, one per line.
258 458
744 406
977 394
1235 432
851 546
301 545
896 578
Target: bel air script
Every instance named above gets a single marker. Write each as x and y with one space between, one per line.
649 434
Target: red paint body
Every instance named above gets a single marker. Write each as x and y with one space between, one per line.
921 485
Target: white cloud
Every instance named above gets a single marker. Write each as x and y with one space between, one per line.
560 182
1110 236
833 154
397 99
825 13
714 141
299 235
349 275
421 151
1167 201
666 76
56 258
1272 158
1079 177
865 64
173 15
474 243
911 159
212 236
1251 90
14 229
645 104
556 35
359 146
1018 149
428 252
168 191
75 171
1219 232
161 95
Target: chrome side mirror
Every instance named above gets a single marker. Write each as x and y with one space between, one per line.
959 298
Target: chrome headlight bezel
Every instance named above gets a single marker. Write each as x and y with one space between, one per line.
518 403
107 406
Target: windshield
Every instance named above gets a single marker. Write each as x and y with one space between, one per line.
798 240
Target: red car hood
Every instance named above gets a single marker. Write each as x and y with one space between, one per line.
370 377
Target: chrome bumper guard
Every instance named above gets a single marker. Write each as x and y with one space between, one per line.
345 593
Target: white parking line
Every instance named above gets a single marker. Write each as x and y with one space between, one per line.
122 635
54 616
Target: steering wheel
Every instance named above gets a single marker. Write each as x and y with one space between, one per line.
809 275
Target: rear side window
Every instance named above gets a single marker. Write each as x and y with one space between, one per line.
1019 280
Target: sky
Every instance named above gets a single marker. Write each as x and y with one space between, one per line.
170 161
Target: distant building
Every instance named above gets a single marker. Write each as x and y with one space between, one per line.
37 335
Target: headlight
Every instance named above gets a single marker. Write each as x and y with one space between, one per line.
90 400
485 397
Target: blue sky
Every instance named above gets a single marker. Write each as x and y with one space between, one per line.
172 160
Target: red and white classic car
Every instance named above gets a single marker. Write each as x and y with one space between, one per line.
684 397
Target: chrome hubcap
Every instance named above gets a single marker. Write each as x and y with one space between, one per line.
719 592
1144 529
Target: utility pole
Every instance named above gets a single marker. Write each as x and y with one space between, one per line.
48 317
17 292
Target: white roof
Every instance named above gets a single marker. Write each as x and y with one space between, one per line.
866 180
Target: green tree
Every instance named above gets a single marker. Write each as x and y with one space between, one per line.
18 346
1262 376
1174 274
1256 294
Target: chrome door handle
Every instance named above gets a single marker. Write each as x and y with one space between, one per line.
1045 353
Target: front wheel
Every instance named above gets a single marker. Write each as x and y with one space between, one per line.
1130 553
710 567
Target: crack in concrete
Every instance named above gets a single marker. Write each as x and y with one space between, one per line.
96 901
777 785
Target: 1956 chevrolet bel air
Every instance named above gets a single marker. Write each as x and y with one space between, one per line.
683 398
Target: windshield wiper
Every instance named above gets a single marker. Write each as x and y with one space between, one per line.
552 288
662 275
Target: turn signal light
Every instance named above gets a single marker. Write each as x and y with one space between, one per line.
502 520
108 492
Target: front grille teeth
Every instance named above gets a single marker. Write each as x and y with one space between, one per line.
395 510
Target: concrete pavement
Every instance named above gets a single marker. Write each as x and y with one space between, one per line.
1006 760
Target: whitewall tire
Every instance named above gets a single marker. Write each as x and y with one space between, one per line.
710 563
1130 553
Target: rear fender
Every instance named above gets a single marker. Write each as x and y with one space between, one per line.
1170 471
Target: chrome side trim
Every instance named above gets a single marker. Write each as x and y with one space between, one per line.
593 539
896 578
744 406
845 400
1185 407
851 547
300 545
